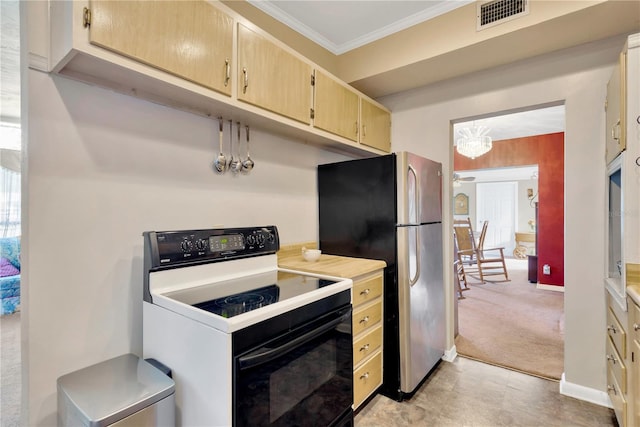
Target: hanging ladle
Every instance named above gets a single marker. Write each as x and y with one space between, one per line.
220 163
247 164
236 163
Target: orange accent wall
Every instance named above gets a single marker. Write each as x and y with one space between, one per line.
547 151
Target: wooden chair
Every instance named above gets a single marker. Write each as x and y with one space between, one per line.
491 264
465 242
458 273
465 254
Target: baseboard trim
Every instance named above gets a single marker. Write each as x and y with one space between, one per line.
584 393
550 287
450 355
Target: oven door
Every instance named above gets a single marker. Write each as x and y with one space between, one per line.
301 377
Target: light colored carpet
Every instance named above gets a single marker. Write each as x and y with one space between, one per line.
10 370
513 324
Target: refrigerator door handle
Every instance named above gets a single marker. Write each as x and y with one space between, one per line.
414 279
416 195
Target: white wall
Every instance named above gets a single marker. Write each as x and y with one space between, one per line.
422 123
526 207
103 168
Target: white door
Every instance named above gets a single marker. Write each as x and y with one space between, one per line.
496 203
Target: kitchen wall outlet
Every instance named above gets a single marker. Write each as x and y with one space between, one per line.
530 193
546 269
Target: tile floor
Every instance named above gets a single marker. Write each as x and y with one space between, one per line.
471 393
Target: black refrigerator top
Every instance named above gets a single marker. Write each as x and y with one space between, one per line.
357 208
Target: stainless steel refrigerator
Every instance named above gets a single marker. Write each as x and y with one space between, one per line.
390 208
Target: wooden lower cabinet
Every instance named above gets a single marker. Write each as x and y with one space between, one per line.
367 378
618 399
367 336
617 359
634 333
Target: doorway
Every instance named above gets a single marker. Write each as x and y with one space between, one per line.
10 216
495 324
496 203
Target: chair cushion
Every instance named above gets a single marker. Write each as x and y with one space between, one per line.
10 249
7 269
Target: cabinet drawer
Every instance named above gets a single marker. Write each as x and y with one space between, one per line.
366 379
366 316
367 345
635 320
617 333
618 399
367 290
616 365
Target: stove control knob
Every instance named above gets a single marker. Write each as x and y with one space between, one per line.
186 245
251 239
260 239
201 244
270 238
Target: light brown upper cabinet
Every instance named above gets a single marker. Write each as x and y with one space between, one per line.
272 78
184 54
616 110
190 39
335 107
375 126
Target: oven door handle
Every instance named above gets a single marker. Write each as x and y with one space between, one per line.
266 354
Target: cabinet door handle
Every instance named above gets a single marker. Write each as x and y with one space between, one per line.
365 319
246 79
227 72
364 376
364 131
356 127
636 327
611 388
364 347
365 292
612 358
612 329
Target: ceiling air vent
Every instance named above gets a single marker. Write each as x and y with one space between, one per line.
490 13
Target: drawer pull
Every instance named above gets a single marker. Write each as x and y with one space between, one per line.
364 347
365 292
364 376
612 329
611 388
612 358
636 327
365 319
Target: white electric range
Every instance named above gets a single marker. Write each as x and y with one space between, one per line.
248 343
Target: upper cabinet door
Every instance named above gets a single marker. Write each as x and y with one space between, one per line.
191 39
335 107
375 126
615 110
272 78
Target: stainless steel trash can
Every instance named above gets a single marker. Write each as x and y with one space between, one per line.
123 391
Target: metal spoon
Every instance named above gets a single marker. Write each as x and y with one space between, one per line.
248 164
220 163
236 163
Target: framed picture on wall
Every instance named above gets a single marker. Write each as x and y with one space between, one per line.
461 204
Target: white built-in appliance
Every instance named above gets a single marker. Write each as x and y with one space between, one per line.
247 343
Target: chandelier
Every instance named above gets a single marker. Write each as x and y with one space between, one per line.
473 141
